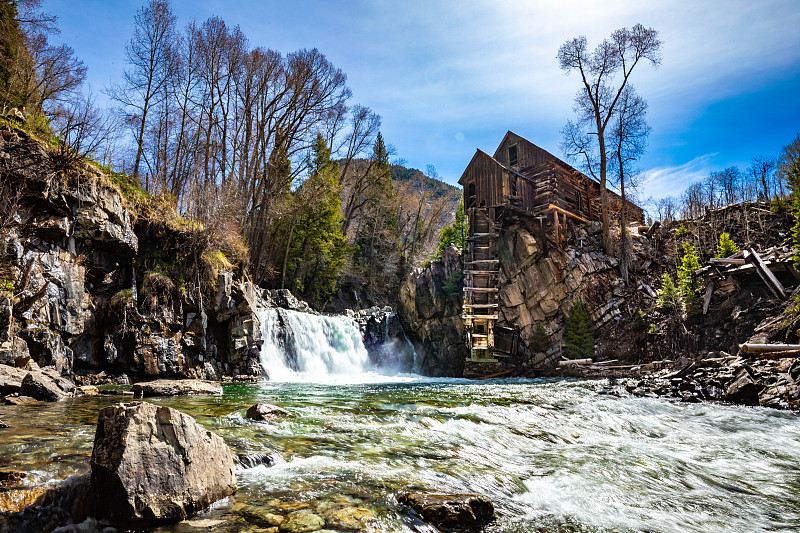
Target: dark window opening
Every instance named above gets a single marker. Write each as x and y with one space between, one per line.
512 155
514 186
470 195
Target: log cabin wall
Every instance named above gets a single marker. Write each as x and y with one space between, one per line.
528 154
537 179
491 182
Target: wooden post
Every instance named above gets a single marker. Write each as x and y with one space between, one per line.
558 228
707 299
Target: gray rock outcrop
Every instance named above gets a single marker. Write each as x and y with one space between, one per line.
155 464
81 301
176 387
434 317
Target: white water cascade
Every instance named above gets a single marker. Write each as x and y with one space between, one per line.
305 347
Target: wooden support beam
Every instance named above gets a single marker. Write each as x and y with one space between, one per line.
558 228
752 257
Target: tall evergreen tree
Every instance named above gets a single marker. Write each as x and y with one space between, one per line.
316 248
579 334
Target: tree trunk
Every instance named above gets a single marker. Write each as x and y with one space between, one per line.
603 192
286 254
624 255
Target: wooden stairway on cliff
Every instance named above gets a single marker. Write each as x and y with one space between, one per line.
481 270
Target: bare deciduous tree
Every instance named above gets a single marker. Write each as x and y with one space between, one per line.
605 74
148 55
628 136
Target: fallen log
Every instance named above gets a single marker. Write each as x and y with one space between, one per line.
497 375
762 348
575 362
788 354
726 261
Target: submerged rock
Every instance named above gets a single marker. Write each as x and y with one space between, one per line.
42 509
20 400
453 512
267 412
252 460
302 521
350 518
14 500
176 387
155 464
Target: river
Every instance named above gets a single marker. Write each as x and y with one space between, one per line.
553 455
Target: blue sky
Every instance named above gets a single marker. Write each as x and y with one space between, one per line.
452 76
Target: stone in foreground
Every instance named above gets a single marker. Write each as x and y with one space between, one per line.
155 464
266 412
176 387
41 386
452 512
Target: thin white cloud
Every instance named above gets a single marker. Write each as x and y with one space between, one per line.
666 181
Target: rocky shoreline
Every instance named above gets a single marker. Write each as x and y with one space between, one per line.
768 382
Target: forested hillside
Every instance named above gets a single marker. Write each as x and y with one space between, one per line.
265 152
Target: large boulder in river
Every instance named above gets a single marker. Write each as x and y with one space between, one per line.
155 464
266 412
47 386
743 390
176 387
452 512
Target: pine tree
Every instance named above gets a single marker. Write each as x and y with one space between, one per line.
579 334
792 175
455 233
726 247
316 248
669 299
688 283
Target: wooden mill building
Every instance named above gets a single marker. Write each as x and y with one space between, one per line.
520 180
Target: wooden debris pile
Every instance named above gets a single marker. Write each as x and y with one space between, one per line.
774 267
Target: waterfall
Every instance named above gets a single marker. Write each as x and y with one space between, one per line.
305 347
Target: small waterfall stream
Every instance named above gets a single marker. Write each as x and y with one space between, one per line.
305 347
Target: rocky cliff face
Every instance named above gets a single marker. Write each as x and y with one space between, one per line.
538 286
434 318
73 298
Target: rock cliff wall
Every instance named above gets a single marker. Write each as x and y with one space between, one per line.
72 295
433 316
538 285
